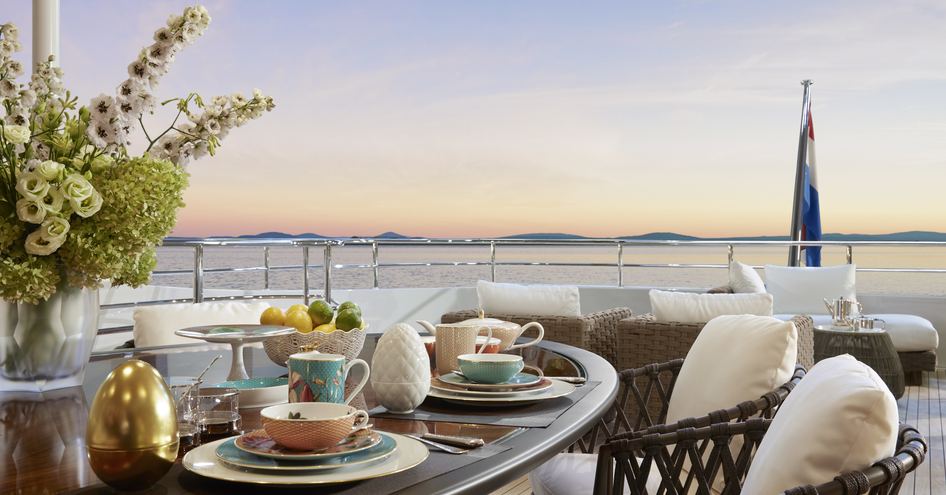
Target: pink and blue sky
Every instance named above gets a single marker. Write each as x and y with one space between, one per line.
489 118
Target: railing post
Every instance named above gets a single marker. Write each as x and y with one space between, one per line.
328 272
850 254
729 255
621 264
266 265
492 261
198 273
374 263
305 275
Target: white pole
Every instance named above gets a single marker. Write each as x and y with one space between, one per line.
45 30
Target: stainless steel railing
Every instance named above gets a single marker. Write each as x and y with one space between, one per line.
328 266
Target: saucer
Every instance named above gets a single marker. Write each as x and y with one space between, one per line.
520 380
233 456
259 443
539 386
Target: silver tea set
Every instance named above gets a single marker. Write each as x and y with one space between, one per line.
850 313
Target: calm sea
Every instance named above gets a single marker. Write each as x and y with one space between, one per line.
452 276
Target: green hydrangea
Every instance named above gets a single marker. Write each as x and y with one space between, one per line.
11 231
142 197
27 278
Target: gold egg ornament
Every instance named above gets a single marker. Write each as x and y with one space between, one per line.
132 433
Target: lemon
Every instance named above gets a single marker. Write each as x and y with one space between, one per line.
272 316
348 319
299 320
297 307
326 328
321 312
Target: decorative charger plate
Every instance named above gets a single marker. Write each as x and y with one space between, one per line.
520 380
558 389
539 386
229 453
203 461
259 443
229 333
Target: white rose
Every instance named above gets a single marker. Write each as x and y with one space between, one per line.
50 170
32 186
30 211
88 206
16 134
48 237
76 188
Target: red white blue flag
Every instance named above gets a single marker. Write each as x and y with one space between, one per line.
811 209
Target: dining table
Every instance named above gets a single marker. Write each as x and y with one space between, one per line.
43 450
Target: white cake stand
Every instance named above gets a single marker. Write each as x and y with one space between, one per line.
236 336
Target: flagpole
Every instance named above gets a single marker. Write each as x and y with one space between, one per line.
794 252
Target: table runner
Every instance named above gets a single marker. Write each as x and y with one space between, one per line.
438 463
538 415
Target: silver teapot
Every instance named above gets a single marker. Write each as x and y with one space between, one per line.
843 310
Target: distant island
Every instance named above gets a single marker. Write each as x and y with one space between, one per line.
915 235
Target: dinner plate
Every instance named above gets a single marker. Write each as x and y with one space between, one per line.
520 380
539 386
203 461
558 389
231 333
259 443
230 454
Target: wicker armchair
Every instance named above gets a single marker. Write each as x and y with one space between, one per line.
642 340
706 453
595 332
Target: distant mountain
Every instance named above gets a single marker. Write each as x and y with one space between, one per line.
281 235
659 236
393 235
545 236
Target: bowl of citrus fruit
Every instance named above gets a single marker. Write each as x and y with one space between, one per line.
319 326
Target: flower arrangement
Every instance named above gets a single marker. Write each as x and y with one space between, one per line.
76 207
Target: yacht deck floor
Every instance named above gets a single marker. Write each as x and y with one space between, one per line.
922 406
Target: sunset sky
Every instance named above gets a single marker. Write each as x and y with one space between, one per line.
487 118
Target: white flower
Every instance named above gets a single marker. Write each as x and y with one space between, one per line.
174 21
16 134
10 31
8 88
163 35
53 201
101 133
138 70
160 53
50 170
76 188
103 108
8 47
17 118
190 32
88 206
27 97
14 69
32 186
49 237
236 99
30 211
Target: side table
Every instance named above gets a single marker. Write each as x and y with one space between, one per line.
872 347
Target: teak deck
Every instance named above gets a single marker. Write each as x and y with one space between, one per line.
922 406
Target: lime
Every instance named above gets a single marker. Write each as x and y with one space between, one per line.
349 305
321 312
272 316
348 319
299 320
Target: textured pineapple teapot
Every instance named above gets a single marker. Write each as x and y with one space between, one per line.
506 331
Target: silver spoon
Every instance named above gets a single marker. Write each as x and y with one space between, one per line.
199 377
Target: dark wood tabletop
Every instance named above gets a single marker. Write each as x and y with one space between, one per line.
42 436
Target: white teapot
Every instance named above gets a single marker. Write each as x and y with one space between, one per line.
506 331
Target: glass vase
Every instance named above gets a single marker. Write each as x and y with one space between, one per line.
46 346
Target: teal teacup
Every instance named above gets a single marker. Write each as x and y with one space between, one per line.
316 377
490 368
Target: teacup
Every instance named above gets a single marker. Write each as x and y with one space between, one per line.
316 377
321 425
490 368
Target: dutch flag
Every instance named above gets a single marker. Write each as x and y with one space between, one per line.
811 209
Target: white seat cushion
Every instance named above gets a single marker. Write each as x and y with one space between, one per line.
841 417
691 307
528 300
802 290
743 279
155 325
909 333
574 474
732 360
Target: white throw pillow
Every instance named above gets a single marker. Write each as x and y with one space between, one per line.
155 325
802 290
841 417
691 307
734 359
528 300
743 279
